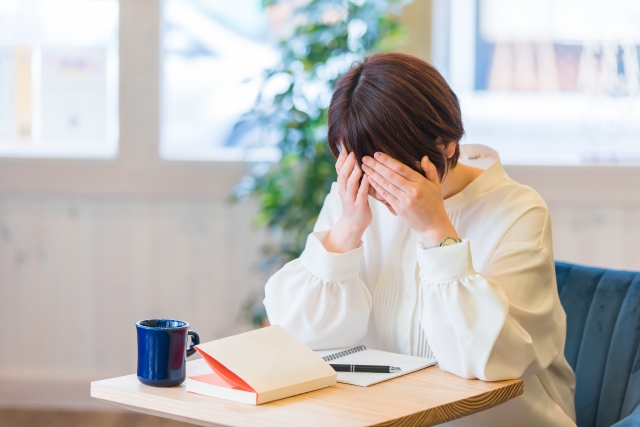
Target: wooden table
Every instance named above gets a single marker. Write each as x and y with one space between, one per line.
424 398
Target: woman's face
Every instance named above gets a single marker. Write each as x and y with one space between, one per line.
373 193
448 150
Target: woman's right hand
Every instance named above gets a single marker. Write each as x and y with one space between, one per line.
347 233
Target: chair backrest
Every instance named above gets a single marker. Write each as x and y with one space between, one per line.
603 332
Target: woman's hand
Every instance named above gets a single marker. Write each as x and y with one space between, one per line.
356 213
415 198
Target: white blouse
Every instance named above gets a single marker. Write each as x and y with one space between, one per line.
486 308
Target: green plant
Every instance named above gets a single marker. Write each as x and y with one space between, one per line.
321 39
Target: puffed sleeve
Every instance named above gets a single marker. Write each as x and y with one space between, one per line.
320 297
504 323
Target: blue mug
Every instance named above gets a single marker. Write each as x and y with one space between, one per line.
163 352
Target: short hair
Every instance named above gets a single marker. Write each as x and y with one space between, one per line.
399 105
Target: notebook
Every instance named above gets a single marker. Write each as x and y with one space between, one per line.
260 366
362 356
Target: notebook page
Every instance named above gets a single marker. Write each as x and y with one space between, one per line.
407 363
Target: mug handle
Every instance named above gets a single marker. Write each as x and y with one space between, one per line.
195 340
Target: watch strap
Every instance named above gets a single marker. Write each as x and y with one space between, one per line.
439 245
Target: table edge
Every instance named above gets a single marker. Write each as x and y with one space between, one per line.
101 392
428 417
166 415
452 411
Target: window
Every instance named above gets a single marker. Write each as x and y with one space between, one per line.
545 82
213 57
58 78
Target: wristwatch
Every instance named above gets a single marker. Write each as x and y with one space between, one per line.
448 241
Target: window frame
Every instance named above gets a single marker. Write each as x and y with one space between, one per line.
138 170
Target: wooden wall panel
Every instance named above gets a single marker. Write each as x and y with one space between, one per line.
603 235
76 274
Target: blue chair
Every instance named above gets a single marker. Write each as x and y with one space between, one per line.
603 332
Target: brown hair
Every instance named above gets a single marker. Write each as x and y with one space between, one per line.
399 105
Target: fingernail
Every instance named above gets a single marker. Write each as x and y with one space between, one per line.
378 155
366 159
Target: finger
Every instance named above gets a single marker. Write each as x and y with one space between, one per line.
385 183
388 197
354 182
430 170
363 191
382 173
397 166
340 160
345 172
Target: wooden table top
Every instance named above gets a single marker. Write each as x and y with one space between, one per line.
424 398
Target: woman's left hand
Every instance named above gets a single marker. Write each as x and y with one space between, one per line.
415 198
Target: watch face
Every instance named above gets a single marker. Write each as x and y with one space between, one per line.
449 241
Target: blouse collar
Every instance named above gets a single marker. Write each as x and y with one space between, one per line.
479 156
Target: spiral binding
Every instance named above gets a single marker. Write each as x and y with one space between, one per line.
343 353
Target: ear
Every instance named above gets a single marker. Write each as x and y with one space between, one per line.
449 149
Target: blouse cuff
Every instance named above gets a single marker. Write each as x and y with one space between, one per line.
446 263
329 266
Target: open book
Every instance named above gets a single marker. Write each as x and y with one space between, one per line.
362 356
260 366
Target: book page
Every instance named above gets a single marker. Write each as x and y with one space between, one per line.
231 379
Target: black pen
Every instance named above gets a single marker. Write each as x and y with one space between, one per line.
365 368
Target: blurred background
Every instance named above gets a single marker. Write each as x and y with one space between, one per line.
161 158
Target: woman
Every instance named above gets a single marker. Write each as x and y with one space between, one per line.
427 248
